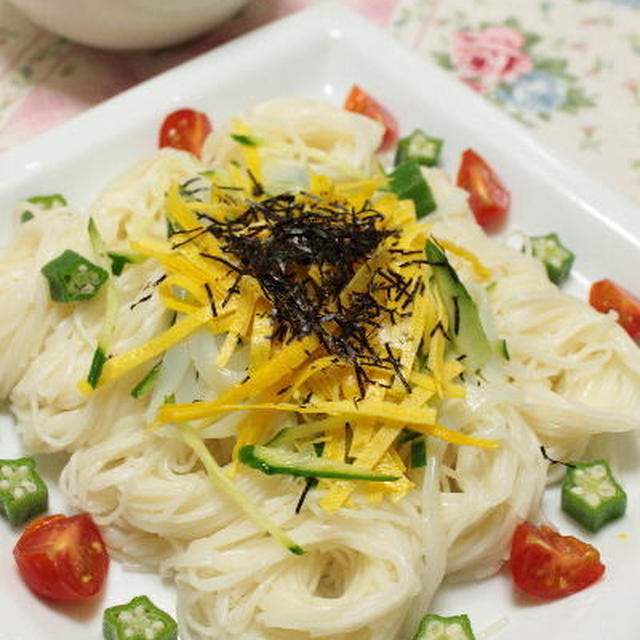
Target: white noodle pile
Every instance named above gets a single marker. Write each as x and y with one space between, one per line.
50 411
295 134
578 369
132 206
27 315
358 578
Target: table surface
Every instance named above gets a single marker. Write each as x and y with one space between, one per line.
567 69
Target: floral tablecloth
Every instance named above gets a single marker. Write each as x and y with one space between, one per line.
568 69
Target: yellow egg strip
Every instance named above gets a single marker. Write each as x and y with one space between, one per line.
250 152
260 346
270 374
241 324
481 271
119 365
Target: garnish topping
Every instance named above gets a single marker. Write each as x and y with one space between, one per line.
330 289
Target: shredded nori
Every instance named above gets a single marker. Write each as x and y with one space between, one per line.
303 251
546 456
309 484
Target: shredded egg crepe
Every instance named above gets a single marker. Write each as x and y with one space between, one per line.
285 421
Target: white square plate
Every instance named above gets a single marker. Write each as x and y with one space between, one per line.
321 53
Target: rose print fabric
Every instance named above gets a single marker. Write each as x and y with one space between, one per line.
501 62
489 57
569 70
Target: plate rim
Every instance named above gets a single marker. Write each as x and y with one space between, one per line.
330 19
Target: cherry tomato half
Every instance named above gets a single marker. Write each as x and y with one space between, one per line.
548 565
361 102
488 198
606 295
185 129
62 558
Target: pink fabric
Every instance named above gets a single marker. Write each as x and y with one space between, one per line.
81 76
486 58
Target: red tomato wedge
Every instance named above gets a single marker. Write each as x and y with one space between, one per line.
361 102
185 129
606 295
488 198
62 558
548 565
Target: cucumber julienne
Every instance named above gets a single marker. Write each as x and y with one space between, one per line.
271 460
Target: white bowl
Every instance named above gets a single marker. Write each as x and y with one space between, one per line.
128 24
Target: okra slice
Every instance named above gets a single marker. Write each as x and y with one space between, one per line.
23 494
420 147
408 183
139 619
557 259
73 278
434 627
591 495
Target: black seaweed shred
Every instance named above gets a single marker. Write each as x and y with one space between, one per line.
133 305
548 458
456 315
309 484
212 302
303 251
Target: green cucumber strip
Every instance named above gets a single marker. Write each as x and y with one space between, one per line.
421 360
591 495
104 339
172 228
139 619
110 312
146 384
418 453
23 494
96 240
47 202
120 259
306 430
42 203
555 257
221 482
110 316
465 329
419 146
73 278
501 349
408 183
272 461
247 141
407 435
97 364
